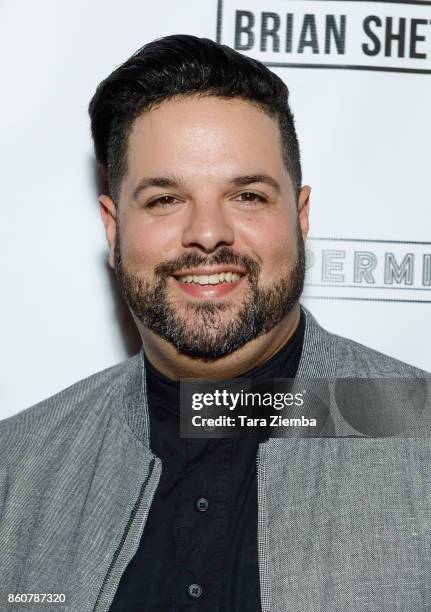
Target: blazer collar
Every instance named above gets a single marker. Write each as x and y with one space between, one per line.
318 360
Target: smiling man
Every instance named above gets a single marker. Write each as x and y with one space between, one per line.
102 502
207 282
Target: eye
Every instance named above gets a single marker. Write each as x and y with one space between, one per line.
165 201
249 197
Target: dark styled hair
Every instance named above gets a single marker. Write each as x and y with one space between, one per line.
183 65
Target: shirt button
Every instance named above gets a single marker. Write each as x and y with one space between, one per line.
195 591
201 504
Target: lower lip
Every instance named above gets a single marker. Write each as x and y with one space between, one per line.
209 291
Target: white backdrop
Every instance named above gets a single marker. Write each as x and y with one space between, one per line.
364 136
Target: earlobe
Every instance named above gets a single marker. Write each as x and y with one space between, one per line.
304 209
108 212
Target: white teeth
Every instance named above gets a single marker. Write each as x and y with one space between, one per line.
212 279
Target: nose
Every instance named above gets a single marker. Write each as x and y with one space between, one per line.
207 226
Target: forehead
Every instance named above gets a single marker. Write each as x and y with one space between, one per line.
196 134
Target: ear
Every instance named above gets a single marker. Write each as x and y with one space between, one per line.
108 212
304 209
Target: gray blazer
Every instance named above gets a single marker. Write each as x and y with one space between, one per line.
344 524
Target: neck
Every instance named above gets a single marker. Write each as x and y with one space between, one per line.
172 364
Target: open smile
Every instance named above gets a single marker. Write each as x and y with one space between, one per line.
214 285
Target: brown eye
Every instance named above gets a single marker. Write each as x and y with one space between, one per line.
250 197
162 202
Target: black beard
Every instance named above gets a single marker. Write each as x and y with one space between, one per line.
210 337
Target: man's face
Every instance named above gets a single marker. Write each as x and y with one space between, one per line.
206 191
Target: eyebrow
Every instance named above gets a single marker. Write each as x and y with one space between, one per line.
170 182
249 179
164 182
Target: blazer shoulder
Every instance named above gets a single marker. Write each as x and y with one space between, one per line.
70 403
326 352
356 359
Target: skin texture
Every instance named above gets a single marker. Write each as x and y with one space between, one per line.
202 143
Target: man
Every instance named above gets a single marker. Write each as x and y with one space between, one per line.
101 498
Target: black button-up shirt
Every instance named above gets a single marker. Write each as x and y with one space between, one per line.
198 551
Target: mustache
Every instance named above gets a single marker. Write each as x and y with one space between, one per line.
193 260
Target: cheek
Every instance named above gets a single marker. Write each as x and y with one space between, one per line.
273 241
146 245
